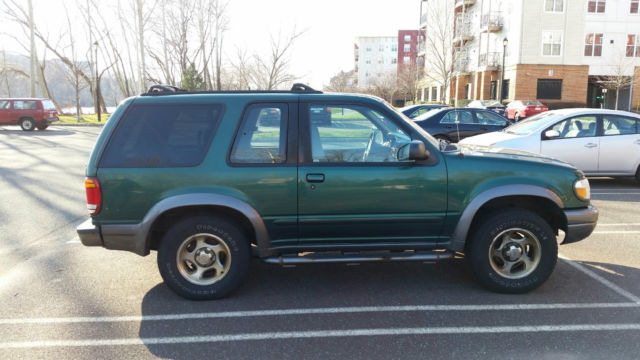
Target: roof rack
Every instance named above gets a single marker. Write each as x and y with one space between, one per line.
159 89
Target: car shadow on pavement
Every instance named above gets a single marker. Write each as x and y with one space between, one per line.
271 287
35 133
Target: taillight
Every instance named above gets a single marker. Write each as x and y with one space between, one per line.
94 198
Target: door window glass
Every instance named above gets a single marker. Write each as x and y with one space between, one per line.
25 105
262 135
582 126
351 134
618 125
4 104
488 118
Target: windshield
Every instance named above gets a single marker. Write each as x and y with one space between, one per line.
528 126
428 114
532 102
48 105
417 128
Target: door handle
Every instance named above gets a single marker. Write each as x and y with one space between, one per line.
315 178
590 145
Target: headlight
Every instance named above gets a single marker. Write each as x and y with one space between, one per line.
582 189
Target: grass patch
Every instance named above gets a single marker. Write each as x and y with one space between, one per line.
84 119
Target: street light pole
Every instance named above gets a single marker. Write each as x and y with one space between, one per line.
95 45
505 41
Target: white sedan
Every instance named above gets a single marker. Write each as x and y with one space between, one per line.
598 142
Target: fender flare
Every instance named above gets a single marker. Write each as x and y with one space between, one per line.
459 237
207 199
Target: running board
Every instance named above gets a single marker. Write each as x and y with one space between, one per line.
358 258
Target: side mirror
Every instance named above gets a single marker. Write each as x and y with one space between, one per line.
550 134
415 150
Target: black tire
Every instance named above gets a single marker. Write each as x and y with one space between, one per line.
42 127
638 174
513 223
176 275
27 124
516 117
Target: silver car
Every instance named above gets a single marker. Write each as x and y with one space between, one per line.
598 142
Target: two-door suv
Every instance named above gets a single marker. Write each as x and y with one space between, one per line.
209 179
28 113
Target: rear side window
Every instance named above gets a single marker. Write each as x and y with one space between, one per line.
618 125
4 104
48 105
25 105
262 136
161 136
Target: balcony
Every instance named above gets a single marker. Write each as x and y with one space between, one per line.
464 3
489 61
491 22
462 33
461 65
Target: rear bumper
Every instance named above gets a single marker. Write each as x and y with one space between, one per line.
50 120
114 237
580 223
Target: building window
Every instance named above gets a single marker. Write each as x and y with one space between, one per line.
549 89
551 43
380 61
406 60
368 61
394 61
407 47
634 7
505 89
596 6
434 93
554 5
493 90
368 48
633 45
407 38
394 47
593 45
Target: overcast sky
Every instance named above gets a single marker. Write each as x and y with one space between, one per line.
325 48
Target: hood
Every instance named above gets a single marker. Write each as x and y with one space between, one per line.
488 139
495 152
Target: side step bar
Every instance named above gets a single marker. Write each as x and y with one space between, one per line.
358 258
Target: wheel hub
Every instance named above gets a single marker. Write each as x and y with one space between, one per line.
205 257
512 252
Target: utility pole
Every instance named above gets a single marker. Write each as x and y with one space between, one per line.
504 53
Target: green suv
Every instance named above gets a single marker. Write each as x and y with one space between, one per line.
209 179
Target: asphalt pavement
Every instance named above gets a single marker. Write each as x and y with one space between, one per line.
63 300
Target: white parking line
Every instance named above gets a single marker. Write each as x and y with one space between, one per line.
315 311
617 232
620 291
75 240
320 334
620 224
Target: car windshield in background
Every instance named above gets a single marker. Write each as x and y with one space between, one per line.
532 102
528 126
48 105
428 114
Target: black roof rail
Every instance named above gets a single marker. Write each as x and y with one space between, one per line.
159 89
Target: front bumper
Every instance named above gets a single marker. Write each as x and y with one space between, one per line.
114 237
580 223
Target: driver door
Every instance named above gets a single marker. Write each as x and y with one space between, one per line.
353 189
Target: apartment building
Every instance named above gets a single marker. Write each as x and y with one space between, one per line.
565 53
376 59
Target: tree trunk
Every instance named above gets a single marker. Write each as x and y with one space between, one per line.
617 92
33 57
143 70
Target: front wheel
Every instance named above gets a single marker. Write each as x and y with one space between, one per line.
512 251
203 257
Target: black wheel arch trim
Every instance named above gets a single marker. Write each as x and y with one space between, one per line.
461 232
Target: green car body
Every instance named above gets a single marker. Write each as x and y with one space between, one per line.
302 205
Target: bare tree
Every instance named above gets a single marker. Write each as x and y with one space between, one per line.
409 80
72 74
342 82
622 76
273 71
385 86
438 41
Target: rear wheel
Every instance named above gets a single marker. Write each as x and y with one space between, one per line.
512 251
638 174
204 257
27 124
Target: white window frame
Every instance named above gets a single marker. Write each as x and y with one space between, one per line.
638 4
597 3
552 32
593 46
554 6
636 46
407 38
406 60
407 48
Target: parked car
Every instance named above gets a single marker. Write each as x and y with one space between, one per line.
487 105
455 124
413 111
598 142
28 113
520 109
193 177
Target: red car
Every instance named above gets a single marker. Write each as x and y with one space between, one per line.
520 109
28 113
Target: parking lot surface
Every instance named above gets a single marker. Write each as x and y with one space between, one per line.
63 300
